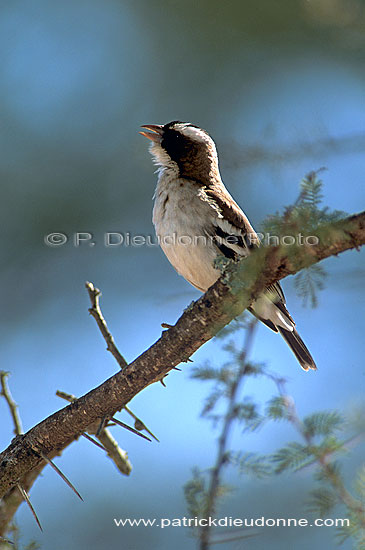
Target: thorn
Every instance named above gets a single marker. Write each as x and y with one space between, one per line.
162 382
24 494
129 428
176 368
166 325
101 426
56 468
89 438
139 424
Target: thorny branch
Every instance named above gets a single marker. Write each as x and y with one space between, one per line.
226 299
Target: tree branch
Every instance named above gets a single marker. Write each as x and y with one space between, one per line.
226 299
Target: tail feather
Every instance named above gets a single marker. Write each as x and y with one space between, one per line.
299 348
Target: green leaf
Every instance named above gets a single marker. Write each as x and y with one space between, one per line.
308 281
360 483
195 494
211 401
355 530
322 501
206 372
322 423
254 465
291 457
277 409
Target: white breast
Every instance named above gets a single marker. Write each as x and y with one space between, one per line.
178 216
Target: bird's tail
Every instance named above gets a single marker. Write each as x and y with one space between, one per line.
299 348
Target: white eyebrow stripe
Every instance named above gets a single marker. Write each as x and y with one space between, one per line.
195 133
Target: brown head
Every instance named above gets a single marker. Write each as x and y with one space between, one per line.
185 148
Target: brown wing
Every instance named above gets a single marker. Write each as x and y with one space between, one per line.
232 212
236 217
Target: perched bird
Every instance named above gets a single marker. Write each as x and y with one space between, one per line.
197 220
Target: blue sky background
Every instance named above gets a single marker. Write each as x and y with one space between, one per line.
280 87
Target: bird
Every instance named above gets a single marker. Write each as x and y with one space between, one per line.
196 221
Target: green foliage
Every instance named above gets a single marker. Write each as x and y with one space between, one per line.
307 213
276 408
331 490
311 191
296 456
247 413
360 484
207 372
310 200
252 464
329 445
308 281
355 531
322 423
306 217
322 501
195 493
292 457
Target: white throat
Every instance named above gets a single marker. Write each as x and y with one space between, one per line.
162 160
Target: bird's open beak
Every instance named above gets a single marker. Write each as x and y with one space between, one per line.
157 130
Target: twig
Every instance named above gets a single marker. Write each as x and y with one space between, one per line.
221 461
5 391
95 311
